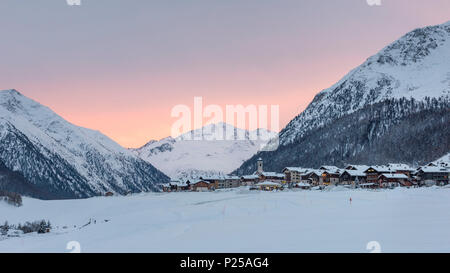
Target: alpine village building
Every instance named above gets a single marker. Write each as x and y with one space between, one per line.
353 176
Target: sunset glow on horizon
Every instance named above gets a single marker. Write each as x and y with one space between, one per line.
122 70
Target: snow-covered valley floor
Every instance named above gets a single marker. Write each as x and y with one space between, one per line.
400 220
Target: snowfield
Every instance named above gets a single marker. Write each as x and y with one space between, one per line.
400 220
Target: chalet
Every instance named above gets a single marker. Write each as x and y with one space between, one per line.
166 187
273 176
314 177
176 185
330 177
294 174
109 194
223 182
217 182
201 186
352 177
392 180
269 186
232 181
373 173
433 175
402 169
249 180
306 177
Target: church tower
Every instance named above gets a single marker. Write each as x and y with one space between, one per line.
259 165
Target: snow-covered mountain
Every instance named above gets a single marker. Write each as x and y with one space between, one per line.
64 160
393 107
198 152
415 66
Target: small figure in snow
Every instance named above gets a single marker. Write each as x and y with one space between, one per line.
350 200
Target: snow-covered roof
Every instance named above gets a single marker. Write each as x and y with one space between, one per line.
336 171
359 172
301 184
273 174
357 167
400 167
395 175
252 176
213 177
329 168
233 177
268 183
195 181
296 169
432 169
178 183
381 168
316 172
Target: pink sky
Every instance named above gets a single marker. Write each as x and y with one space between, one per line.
120 68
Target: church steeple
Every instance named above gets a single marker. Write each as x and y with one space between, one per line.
259 165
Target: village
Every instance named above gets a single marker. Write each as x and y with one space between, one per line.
352 176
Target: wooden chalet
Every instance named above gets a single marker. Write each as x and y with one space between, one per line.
201 186
402 169
166 187
393 180
272 176
232 182
314 178
374 172
179 185
433 175
330 178
352 177
249 180
217 182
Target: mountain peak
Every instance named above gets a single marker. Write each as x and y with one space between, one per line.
9 95
414 46
199 152
83 162
10 91
414 66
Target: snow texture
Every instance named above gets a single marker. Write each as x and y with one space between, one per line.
196 154
400 220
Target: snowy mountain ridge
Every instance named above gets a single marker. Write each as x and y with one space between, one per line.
74 161
415 66
196 153
392 108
